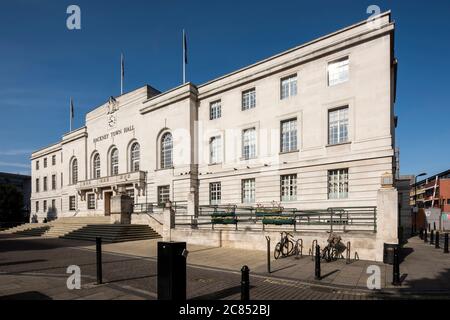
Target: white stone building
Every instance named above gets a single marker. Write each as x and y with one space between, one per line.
312 127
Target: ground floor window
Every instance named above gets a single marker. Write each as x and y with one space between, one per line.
338 184
72 203
130 193
163 194
53 204
215 193
248 191
289 187
91 201
37 206
45 206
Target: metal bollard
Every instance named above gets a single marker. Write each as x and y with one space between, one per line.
436 242
268 253
429 227
313 246
396 268
446 243
98 246
317 275
245 284
432 237
421 234
425 236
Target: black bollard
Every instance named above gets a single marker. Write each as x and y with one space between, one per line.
421 234
98 245
436 242
268 254
245 284
446 243
425 236
396 268
429 227
432 237
317 275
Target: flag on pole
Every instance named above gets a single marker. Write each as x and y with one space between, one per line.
122 72
72 113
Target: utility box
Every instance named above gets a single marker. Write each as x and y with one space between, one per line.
172 271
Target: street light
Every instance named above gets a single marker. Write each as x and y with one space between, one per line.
413 231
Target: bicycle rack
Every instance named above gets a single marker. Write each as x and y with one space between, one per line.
356 256
313 247
348 253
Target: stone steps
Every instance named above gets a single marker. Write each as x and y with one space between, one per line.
86 228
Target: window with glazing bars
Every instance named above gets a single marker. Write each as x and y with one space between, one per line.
249 143
289 135
289 187
338 126
215 110
338 71
249 99
338 184
288 86
248 191
215 150
91 201
215 193
163 194
166 151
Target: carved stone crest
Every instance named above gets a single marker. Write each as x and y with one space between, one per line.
113 105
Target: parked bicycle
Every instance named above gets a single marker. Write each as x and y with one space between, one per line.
285 247
334 249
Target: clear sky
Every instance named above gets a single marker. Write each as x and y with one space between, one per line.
43 64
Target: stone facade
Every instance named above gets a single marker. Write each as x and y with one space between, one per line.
259 97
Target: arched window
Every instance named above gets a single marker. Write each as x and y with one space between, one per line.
166 150
74 171
135 156
114 162
96 166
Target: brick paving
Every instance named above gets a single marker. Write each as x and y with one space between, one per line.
34 268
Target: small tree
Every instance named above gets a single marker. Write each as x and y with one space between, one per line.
11 204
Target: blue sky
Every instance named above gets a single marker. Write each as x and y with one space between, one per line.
43 64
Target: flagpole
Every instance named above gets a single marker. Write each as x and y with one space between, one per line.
70 114
184 57
121 73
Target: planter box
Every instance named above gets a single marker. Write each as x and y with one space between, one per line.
278 221
223 220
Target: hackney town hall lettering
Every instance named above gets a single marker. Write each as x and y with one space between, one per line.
114 133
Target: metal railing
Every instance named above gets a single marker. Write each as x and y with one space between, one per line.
347 219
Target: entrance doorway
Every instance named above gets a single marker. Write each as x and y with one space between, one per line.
107 200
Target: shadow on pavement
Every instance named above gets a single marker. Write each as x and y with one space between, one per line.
221 294
21 262
29 295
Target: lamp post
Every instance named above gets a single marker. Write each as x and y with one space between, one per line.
414 230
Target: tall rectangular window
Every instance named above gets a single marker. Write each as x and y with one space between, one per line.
215 110
249 143
54 182
91 201
37 185
72 203
289 187
53 204
288 87
53 160
37 164
248 191
215 150
289 135
338 126
338 71
45 183
44 207
215 193
338 184
249 99
37 206
163 194
45 162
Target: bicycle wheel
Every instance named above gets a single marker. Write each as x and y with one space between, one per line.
277 251
287 249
